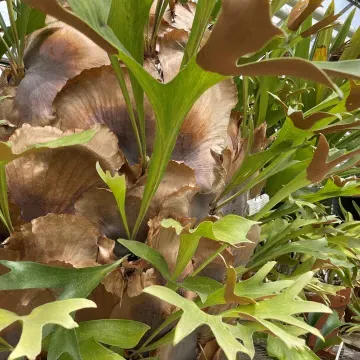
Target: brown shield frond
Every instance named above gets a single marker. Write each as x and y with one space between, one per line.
237 33
66 238
94 96
301 11
174 198
99 206
132 307
51 181
178 177
167 242
55 54
217 268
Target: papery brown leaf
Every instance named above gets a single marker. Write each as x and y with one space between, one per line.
95 97
177 176
298 118
171 52
205 129
140 279
174 198
55 9
260 138
114 283
132 307
353 100
291 67
67 238
209 350
243 253
180 204
328 20
55 55
338 128
340 182
233 131
51 181
167 243
105 300
183 16
237 33
319 167
230 285
99 206
301 11
216 269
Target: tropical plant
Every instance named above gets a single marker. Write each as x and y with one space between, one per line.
124 130
24 20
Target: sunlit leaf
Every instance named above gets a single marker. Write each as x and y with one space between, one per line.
52 313
245 334
279 350
117 185
290 305
254 288
7 155
331 190
193 317
231 229
316 248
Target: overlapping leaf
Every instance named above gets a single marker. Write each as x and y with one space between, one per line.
52 313
7 155
231 229
193 317
75 282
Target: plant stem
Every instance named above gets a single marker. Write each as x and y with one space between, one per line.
245 104
159 13
10 55
120 76
25 16
13 24
4 202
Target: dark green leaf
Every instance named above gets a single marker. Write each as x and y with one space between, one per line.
203 286
92 350
149 254
64 341
75 282
125 334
